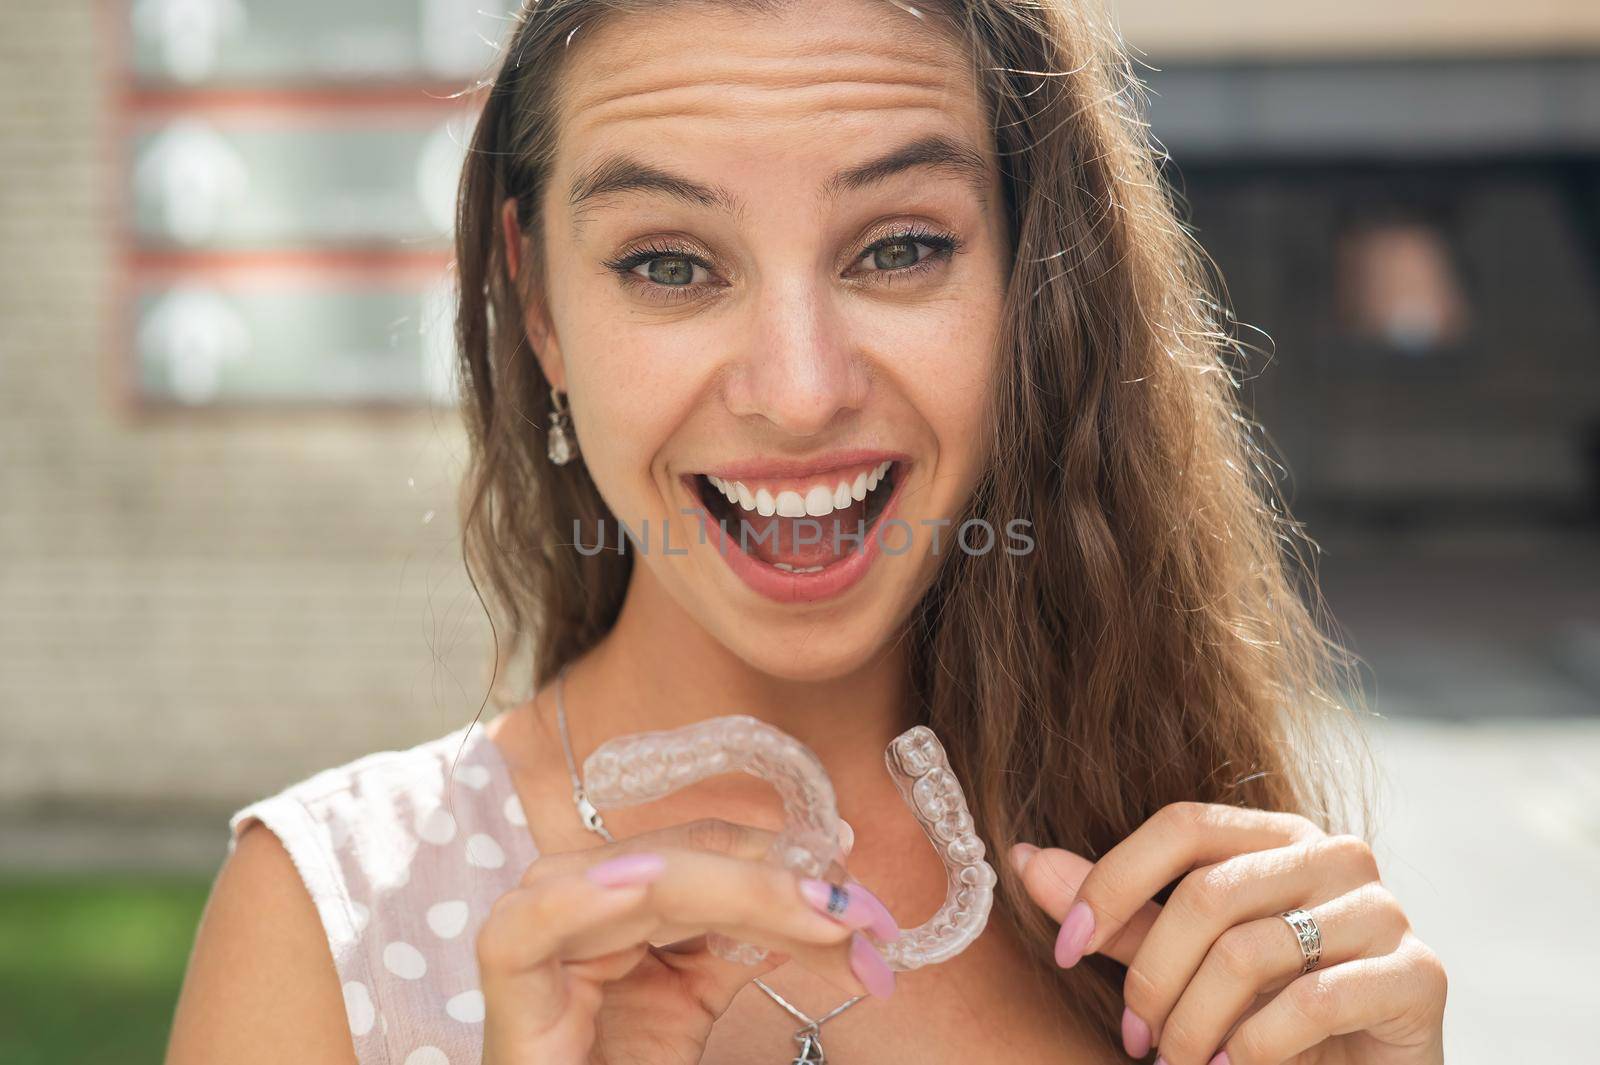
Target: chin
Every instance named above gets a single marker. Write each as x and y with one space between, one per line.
817 651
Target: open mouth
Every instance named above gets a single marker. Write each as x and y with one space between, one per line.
801 528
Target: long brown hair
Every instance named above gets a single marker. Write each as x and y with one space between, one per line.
1165 640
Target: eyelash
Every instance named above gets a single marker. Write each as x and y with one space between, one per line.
944 246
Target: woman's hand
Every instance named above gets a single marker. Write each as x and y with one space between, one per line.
1214 975
570 975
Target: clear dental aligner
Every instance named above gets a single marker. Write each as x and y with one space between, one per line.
645 766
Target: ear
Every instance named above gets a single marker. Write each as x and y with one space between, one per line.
511 233
535 322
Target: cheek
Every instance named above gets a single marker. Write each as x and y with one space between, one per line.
945 364
631 406
973 363
631 386
953 400
637 389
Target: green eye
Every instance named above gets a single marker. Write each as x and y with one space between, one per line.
671 270
896 255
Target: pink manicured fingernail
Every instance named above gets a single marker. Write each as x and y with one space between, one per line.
1221 1059
627 870
847 836
852 905
1135 1034
1075 933
1021 855
870 968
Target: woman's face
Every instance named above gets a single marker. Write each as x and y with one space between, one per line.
776 254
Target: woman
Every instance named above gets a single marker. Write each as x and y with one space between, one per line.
729 267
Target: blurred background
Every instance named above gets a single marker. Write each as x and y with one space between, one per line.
228 551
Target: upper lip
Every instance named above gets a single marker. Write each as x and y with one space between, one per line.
772 469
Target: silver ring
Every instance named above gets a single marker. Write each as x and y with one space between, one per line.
1307 934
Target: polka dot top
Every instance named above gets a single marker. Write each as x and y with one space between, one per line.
403 864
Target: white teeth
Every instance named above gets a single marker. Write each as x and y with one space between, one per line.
791 569
818 501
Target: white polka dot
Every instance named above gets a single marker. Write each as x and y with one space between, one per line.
437 826
427 1056
473 776
447 919
358 1007
466 1007
404 960
514 812
361 915
484 852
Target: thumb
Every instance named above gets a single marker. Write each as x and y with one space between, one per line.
1053 877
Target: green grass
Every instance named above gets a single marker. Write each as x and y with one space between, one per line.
90 965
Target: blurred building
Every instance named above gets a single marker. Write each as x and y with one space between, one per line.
229 553
1404 201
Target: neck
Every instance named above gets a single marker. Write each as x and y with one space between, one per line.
659 669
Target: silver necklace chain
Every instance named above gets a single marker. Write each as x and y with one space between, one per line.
809 1038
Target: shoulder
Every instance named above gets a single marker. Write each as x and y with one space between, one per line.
362 830
368 879
261 985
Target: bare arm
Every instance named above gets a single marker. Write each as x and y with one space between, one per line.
261 985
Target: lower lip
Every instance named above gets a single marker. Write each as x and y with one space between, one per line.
784 587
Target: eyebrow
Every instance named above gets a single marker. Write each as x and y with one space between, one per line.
620 172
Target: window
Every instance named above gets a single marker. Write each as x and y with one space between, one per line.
288 176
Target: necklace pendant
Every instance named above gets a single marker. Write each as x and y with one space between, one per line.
810 1048
587 811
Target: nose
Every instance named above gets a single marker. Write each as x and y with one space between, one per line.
799 369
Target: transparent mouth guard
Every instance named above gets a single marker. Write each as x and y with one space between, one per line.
645 766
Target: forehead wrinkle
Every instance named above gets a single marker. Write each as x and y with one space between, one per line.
636 66
641 96
619 172
717 91
771 77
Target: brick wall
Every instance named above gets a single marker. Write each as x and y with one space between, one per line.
195 608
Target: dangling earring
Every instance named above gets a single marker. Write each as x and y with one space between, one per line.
561 447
